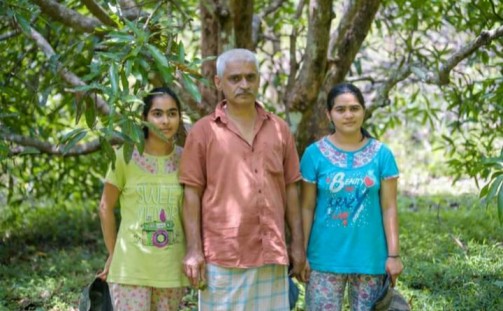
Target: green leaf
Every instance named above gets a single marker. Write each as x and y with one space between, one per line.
73 141
71 134
161 63
25 25
127 151
79 109
159 57
500 204
484 191
108 149
114 77
495 186
154 129
141 139
181 53
90 112
191 87
124 81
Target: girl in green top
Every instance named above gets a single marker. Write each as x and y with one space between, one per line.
144 266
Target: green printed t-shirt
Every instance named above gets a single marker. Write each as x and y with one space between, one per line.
150 244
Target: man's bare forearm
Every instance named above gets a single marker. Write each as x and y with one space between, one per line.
192 218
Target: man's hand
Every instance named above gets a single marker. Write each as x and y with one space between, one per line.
298 261
194 268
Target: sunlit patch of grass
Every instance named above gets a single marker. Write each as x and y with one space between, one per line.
452 255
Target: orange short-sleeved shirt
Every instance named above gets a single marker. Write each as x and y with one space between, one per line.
244 198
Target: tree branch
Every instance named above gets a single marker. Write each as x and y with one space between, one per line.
313 68
130 9
9 35
98 11
382 93
293 64
440 78
68 17
271 8
348 38
45 147
67 75
486 37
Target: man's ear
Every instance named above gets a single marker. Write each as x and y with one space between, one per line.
217 80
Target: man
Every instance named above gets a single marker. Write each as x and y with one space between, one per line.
240 168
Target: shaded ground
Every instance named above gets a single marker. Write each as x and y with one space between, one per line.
451 247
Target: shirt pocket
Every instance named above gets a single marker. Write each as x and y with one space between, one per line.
273 158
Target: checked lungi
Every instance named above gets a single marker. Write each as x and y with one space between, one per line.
252 289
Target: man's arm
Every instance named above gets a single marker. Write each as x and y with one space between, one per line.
294 220
193 263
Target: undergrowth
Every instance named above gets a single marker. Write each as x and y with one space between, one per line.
451 248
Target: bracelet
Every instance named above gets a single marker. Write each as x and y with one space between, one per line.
393 256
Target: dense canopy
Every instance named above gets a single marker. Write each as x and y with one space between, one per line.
73 74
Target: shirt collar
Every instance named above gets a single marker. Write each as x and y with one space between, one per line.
220 111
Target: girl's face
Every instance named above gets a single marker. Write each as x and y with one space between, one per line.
347 114
164 114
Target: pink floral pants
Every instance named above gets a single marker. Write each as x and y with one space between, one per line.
325 291
141 298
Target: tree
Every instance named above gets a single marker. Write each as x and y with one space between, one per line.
75 71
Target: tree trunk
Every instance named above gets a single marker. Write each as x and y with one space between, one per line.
344 45
221 20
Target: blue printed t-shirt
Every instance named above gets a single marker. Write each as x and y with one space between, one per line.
347 235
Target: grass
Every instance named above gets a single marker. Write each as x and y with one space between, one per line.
452 248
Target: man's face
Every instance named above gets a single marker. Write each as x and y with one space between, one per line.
239 82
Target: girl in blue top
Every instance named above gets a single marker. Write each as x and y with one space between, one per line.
349 208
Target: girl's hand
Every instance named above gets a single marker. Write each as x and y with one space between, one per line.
394 268
305 273
103 274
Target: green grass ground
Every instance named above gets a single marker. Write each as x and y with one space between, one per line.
452 248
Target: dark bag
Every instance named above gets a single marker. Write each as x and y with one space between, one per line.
390 299
96 297
293 293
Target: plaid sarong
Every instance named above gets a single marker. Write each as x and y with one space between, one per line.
253 289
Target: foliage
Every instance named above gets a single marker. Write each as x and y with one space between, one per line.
72 84
451 247
114 68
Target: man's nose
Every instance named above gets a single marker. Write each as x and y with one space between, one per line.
244 84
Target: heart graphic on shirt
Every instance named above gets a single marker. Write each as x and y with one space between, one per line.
368 181
349 188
